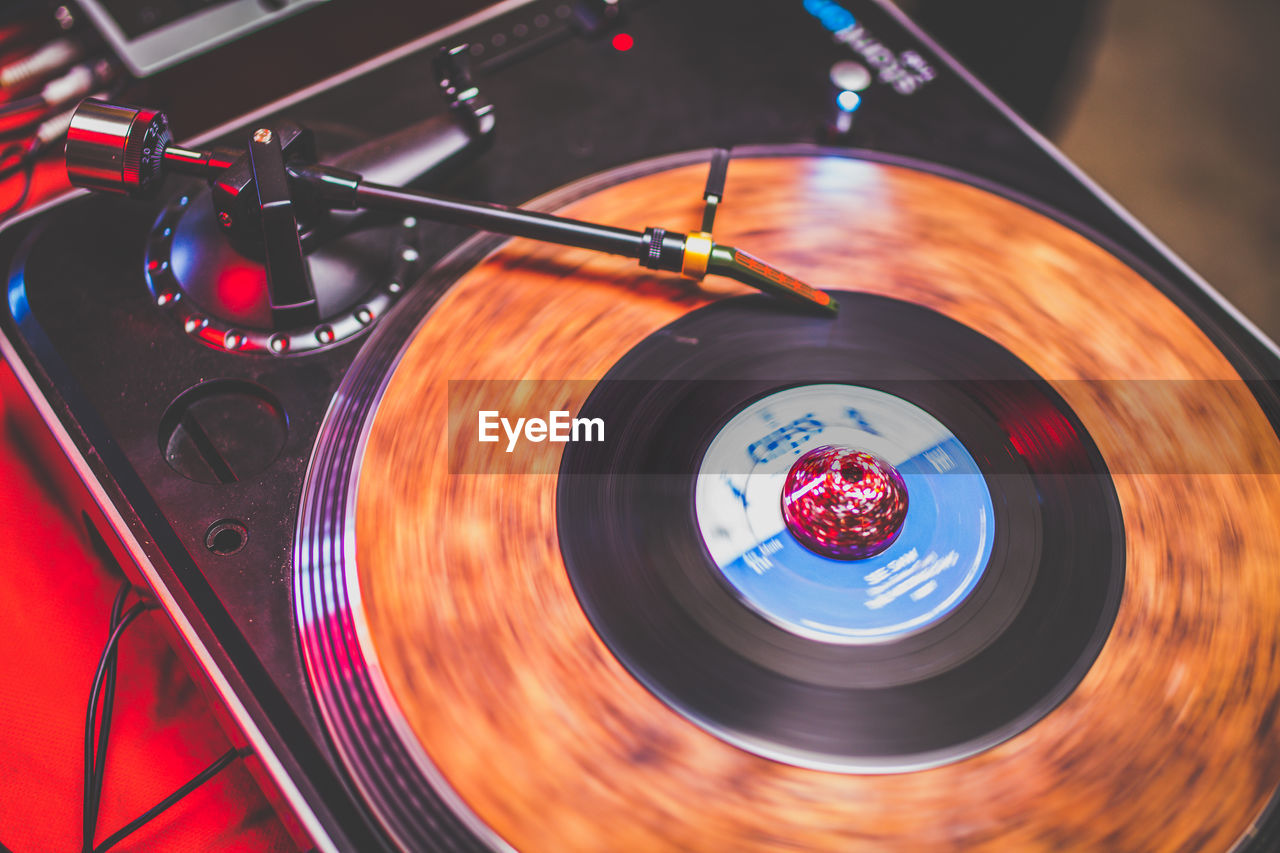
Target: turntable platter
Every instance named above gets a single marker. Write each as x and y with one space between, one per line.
530 725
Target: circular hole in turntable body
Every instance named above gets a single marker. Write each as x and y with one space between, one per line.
223 431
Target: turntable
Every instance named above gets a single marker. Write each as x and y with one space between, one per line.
959 535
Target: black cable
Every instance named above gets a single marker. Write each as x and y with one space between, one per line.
95 759
18 118
97 731
11 158
28 174
108 694
159 808
21 105
20 157
25 163
105 662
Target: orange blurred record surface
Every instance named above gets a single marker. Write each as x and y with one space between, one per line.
1171 740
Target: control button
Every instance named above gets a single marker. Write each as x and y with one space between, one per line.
850 76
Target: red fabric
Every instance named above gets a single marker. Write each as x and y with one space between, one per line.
55 598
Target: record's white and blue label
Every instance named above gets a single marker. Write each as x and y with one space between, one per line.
936 561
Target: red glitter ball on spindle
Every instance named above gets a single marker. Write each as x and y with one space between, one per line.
842 503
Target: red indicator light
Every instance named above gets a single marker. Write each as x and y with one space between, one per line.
239 291
623 42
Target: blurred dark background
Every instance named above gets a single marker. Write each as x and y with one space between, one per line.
1172 106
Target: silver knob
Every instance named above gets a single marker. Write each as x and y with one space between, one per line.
116 148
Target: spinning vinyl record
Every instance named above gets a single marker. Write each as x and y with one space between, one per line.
981 615
986 562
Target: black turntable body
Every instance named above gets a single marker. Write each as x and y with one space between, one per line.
196 419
